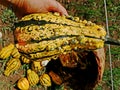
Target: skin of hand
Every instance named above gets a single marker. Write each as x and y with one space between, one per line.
24 7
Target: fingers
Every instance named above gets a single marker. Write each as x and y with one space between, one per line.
57 7
62 10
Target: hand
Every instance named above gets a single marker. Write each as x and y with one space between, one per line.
24 7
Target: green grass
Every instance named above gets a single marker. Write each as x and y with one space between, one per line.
107 79
8 18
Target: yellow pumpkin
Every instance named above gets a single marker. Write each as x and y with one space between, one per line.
23 84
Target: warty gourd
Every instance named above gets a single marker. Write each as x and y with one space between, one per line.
46 36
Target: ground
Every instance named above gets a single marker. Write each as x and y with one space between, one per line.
92 10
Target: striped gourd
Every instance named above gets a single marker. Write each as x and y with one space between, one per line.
32 77
11 66
45 80
45 36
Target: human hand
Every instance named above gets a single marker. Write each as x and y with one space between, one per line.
24 7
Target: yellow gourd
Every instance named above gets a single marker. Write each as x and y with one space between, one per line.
36 66
15 53
11 66
32 77
6 51
45 80
23 84
25 59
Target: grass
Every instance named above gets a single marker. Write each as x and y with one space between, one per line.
107 79
8 18
90 10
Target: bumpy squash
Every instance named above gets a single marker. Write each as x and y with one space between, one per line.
45 80
32 77
48 35
12 65
23 84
